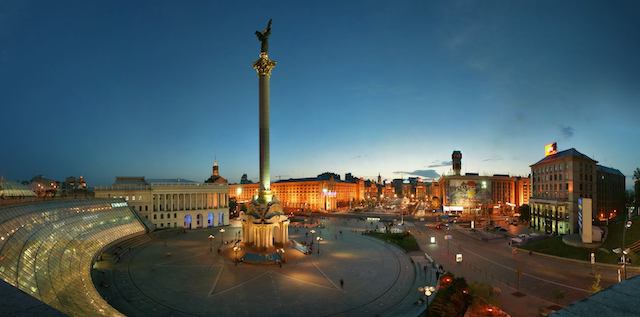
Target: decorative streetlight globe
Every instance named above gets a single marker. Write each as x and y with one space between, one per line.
211 237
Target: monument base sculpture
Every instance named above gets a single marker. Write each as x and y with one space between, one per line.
264 225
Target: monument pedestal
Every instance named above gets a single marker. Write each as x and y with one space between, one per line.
265 226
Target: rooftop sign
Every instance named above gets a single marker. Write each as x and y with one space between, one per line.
550 149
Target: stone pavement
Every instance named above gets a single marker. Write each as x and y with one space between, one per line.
176 275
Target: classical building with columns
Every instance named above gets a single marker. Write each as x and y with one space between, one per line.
173 203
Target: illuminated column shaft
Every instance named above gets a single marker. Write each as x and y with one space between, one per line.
265 180
263 67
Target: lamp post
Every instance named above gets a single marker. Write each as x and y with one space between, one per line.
324 193
318 239
624 252
235 253
313 232
211 237
427 291
222 237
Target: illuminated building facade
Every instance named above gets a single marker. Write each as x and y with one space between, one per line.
325 192
473 191
561 178
173 203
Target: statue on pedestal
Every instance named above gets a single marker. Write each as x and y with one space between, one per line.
263 37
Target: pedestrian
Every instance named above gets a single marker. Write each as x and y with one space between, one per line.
342 283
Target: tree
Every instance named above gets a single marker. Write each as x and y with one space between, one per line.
525 213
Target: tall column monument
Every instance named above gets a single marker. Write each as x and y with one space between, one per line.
264 225
263 67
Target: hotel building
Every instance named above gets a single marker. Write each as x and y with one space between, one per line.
560 179
324 192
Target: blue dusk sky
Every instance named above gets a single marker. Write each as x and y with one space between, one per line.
160 88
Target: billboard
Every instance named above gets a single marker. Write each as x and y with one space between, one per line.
468 193
550 149
584 219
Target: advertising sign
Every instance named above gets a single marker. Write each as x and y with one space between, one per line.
468 193
550 149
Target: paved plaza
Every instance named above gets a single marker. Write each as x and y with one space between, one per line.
177 274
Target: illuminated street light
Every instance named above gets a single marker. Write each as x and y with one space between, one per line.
432 240
235 253
211 237
427 291
318 239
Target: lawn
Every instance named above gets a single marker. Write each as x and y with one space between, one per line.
555 246
404 240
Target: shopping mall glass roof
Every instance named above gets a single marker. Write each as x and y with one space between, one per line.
47 249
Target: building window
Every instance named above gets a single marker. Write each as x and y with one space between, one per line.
175 215
146 208
155 217
161 216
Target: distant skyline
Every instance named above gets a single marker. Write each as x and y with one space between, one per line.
161 88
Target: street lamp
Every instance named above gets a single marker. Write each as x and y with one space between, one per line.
324 193
318 239
313 233
281 251
222 237
427 291
211 237
622 250
235 253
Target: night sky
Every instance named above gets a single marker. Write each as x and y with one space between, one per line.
160 88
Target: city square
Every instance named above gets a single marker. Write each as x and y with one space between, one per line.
432 159
175 273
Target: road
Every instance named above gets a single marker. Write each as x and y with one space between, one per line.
494 262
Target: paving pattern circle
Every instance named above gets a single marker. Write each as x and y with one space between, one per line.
181 274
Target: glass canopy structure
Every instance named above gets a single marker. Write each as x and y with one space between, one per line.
47 249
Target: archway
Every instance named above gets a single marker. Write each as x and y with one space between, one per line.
187 221
210 220
199 221
221 218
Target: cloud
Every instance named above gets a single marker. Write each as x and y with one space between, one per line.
358 157
495 158
432 174
440 164
567 131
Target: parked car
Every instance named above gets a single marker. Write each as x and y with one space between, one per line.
500 229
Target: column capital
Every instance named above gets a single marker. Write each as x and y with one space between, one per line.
264 65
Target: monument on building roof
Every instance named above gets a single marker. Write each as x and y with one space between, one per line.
264 225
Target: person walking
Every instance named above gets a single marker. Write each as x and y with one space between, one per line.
341 283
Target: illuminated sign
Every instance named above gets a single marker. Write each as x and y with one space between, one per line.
116 205
550 149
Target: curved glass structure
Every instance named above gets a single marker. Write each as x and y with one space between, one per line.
47 249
